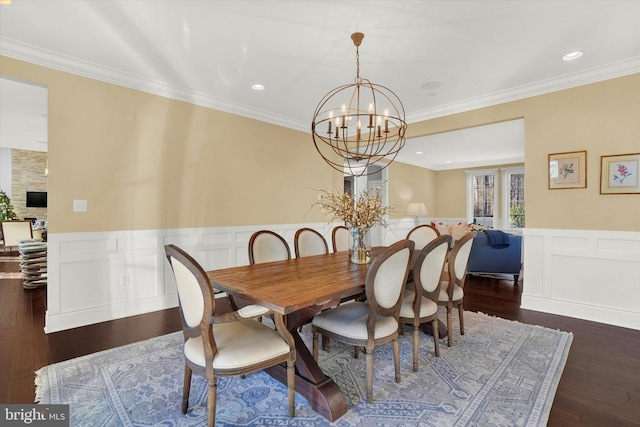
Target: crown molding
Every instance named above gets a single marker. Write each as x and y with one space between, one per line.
567 81
50 59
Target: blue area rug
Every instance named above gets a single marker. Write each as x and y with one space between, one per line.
500 373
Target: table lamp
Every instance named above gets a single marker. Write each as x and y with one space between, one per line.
416 210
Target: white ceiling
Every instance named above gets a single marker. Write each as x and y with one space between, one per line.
210 52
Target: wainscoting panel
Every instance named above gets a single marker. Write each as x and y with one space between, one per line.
587 274
95 277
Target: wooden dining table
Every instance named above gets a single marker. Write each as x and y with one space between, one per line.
298 289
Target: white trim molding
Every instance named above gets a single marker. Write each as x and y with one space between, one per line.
587 274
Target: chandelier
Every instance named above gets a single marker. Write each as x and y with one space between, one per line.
360 124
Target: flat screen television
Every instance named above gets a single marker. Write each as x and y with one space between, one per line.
36 199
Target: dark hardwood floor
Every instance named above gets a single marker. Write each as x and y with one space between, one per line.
600 384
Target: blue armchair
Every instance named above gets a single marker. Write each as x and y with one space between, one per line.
486 259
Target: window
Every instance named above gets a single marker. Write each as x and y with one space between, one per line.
513 196
482 197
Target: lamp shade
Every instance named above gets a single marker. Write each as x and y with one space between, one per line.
416 209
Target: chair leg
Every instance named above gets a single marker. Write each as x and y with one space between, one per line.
461 316
326 343
212 387
186 389
449 333
314 342
291 385
415 348
369 364
396 358
356 351
436 336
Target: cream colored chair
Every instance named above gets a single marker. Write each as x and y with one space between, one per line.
452 285
422 235
340 238
308 242
374 322
421 302
217 344
267 246
14 231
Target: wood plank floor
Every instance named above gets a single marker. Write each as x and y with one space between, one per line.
600 385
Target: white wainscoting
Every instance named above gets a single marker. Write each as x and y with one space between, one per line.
95 277
586 274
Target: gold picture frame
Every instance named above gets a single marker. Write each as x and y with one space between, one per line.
619 174
568 170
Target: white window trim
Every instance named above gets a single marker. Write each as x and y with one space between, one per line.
470 175
506 185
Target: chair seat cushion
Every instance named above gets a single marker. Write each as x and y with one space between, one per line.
458 293
350 321
427 307
240 344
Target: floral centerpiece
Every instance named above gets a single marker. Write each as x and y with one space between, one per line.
359 215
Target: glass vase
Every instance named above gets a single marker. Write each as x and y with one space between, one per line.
359 245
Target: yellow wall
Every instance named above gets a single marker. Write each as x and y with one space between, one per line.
408 184
601 118
147 162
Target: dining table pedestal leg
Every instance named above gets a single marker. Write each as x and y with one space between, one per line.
320 390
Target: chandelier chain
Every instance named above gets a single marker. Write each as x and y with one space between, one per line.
358 79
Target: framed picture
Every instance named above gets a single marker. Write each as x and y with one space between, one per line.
568 170
619 174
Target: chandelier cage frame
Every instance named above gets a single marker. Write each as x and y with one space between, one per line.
367 125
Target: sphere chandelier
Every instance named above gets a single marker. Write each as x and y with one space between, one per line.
357 125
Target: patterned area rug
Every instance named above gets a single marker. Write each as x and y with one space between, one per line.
500 373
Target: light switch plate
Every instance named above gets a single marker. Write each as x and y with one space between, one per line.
79 205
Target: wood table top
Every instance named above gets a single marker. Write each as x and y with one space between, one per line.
291 285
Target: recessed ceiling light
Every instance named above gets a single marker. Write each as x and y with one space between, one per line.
257 86
418 152
448 161
572 55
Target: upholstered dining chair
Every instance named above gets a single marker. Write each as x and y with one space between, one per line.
264 246
14 231
340 238
267 246
374 322
421 302
308 241
217 344
422 235
452 284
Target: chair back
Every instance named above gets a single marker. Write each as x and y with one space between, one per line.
422 235
340 238
386 279
428 267
459 258
308 242
267 246
13 231
195 294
